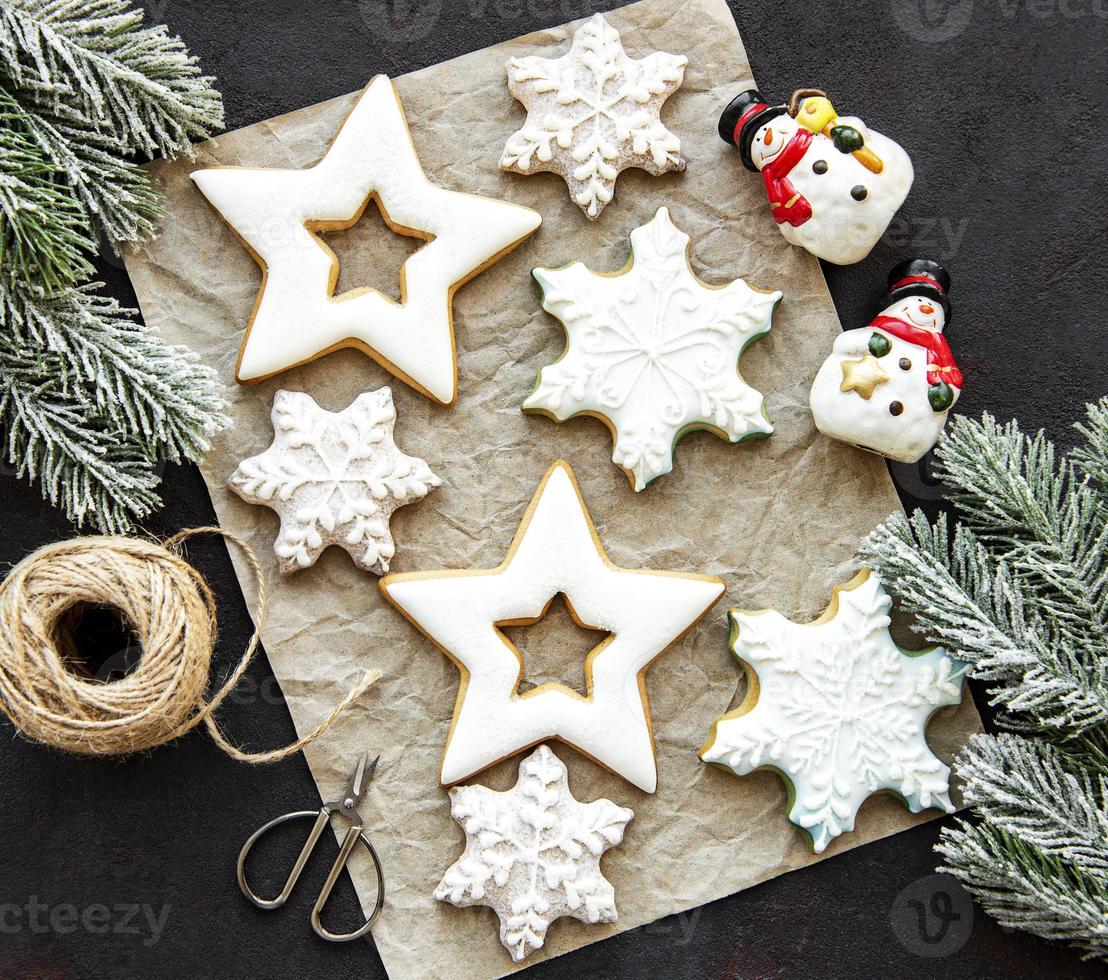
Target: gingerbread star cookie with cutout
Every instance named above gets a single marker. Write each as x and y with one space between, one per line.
279 215
652 351
592 113
333 478
533 853
838 710
555 550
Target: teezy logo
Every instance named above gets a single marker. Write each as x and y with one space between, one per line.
400 21
932 20
933 916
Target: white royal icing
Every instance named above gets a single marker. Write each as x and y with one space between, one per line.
533 853
554 551
841 230
296 317
840 712
333 478
870 422
592 113
653 351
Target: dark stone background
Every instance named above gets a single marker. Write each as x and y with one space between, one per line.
997 103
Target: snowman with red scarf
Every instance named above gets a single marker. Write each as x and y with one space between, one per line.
833 184
888 387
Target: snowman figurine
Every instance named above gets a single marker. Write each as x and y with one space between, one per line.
888 387
833 185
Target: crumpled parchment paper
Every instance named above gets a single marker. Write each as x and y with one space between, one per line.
778 520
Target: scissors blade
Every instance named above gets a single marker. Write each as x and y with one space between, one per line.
358 784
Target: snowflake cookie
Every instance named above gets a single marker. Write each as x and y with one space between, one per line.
333 478
652 351
593 113
533 853
837 709
556 550
279 213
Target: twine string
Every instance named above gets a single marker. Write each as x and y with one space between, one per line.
169 607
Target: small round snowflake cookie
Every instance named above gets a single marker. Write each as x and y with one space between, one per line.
837 709
333 478
652 352
533 853
593 113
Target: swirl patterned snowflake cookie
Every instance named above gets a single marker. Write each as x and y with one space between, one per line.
533 853
652 351
837 709
593 113
333 478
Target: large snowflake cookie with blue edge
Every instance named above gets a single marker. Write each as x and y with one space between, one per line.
652 351
593 113
837 709
333 478
533 853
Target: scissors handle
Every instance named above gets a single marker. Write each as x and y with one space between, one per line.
353 835
321 819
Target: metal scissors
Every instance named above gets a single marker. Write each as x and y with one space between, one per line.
347 807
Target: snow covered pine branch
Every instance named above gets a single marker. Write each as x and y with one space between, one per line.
91 401
1021 592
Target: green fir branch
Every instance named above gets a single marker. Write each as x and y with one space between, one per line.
1092 458
1020 592
974 604
1033 511
1024 889
162 393
113 195
91 401
1035 791
43 230
138 84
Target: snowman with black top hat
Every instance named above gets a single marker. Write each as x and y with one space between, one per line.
833 184
888 387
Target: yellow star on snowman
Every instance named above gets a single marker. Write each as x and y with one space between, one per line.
863 376
278 214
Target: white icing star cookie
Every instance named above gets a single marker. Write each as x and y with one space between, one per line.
333 478
278 214
652 351
593 113
533 853
838 709
555 550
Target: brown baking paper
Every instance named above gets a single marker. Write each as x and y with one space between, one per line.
778 520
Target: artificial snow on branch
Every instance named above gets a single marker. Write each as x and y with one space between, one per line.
1020 591
91 401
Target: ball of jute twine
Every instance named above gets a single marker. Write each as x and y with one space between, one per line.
52 698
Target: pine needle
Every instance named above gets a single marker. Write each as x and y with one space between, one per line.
1020 591
91 402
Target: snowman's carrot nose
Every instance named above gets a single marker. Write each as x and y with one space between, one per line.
925 309
768 138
